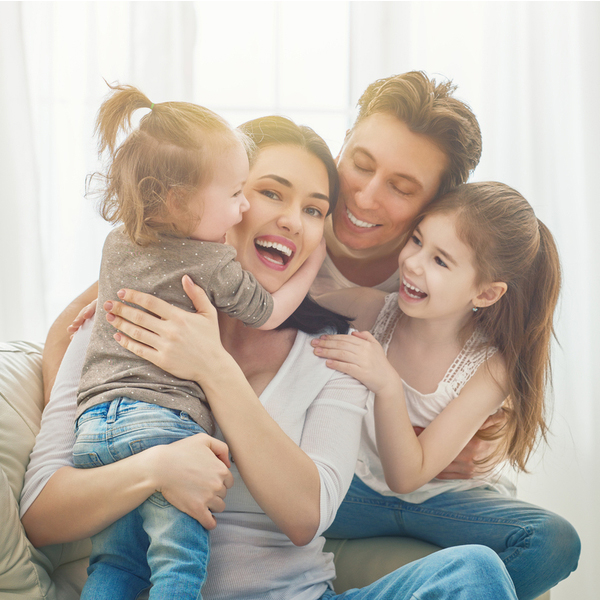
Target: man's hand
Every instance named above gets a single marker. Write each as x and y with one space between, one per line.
465 466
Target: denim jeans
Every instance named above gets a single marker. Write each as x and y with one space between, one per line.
156 544
538 547
465 573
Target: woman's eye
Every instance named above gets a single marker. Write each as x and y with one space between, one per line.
313 212
237 193
440 262
270 194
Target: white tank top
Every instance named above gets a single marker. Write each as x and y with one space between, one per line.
422 410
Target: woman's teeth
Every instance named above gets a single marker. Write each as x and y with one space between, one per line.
283 249
357 222
413 291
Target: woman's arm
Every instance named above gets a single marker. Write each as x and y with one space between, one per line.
58 338
281 476
60 503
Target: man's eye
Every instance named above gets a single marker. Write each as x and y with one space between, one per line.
363 168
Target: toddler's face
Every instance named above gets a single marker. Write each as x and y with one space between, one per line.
219 204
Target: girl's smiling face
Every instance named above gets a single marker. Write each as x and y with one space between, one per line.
437 271
288 192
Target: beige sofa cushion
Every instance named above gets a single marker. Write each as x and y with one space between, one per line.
24 571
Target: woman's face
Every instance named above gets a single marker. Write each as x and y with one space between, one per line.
288 192
388 174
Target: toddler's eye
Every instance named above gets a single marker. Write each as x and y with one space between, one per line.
440 262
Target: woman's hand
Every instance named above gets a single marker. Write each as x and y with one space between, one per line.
182 343
87 312
361 356
193 475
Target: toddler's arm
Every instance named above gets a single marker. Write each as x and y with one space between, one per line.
289 296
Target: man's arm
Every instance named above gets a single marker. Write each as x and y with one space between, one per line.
58 338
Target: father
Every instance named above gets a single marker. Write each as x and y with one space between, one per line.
412 140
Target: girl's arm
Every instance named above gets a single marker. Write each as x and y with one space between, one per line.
289 296
409 461
283 479
60 503
58 338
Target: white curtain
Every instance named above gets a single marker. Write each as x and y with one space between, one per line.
530 71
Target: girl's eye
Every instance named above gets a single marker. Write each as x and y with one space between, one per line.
313 212
440 262
270 194
416 240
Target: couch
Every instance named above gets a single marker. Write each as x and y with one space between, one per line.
58 572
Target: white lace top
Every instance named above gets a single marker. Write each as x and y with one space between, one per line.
422 410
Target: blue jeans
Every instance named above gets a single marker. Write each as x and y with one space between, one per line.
465 573
538 548
156 544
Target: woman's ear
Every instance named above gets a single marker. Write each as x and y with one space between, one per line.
490 295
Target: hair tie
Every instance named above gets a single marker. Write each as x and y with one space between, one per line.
152 107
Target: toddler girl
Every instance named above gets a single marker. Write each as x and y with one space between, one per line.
176 186
467 334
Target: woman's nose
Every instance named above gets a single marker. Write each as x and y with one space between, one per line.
291 220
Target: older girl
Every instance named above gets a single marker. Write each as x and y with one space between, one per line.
468 332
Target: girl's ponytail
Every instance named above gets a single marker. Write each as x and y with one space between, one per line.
115 114
531 366
152 174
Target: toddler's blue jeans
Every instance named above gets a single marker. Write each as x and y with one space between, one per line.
156 544
538 547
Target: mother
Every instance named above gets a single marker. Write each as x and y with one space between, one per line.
275 403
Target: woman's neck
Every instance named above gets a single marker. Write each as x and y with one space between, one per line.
260 354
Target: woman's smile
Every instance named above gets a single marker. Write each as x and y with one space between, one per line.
288 191
275 251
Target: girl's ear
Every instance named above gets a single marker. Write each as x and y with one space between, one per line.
490 295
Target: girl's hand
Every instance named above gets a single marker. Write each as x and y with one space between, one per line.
84 314
361 356
182 343
193 475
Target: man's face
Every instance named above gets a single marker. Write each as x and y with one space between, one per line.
387 175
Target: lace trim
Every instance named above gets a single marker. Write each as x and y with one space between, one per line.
469 359
386 321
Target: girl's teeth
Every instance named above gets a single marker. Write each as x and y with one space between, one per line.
419 294
358 223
